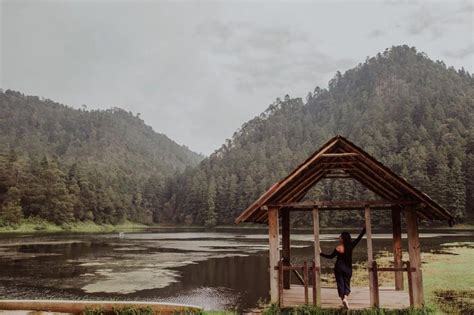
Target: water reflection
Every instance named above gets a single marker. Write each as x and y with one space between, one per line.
214 270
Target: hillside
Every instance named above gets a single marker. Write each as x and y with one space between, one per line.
413 114
64 164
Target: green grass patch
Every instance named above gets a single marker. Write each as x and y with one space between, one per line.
448 278
311 310
32 225
127 310
130 310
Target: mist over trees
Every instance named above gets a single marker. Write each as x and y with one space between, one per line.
413 114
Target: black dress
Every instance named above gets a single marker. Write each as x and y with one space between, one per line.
343 266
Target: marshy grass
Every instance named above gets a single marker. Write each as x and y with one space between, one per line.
127 310
311 310
455 302
31 225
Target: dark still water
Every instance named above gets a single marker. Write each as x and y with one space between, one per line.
221 270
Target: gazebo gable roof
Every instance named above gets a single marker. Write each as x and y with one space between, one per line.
341 158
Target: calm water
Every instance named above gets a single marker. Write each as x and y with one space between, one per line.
222 270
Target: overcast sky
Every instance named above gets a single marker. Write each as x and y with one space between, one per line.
197 70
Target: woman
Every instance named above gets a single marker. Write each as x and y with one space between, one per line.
343 266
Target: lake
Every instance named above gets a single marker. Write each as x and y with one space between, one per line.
216 270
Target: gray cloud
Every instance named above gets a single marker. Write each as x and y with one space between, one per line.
439 20
197 70
264 56
376 33
461 53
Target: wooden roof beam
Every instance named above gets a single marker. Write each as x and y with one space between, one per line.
332 175
345 204
374 187
374 183
309 180
342 154
298 196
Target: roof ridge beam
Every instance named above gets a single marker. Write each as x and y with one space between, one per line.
342 154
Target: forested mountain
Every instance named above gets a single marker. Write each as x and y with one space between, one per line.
413 114
63 164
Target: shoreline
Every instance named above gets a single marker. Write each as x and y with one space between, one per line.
36 226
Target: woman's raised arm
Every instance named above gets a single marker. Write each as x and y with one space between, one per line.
356 241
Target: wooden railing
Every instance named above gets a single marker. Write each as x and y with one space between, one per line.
375 270
306 270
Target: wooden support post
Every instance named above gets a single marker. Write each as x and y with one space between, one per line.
313 267
285 243
280 283
397 247
274 252
410 281
317 260
415 258
306 281
375 273
373 287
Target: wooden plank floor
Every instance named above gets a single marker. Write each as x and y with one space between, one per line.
358 299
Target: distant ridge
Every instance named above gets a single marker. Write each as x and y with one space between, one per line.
100 165
413 114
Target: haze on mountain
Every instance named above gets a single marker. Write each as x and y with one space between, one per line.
182 64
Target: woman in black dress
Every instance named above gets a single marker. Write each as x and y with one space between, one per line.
343 266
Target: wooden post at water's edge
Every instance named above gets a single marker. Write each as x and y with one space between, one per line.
397 247
373 286
285 244
274 252
415 257
317 260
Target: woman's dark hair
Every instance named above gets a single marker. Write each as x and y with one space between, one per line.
347 241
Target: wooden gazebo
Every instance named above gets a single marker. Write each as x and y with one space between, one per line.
340 158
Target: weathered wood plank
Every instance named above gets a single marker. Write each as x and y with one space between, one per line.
306 281
76 307
317 260
397 247
415 257
358 299
274 254
337 155
349 204
285 243
280 283
410 282
373 287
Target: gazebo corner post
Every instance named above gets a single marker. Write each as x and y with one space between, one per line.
317 260
274 252
285 244
415 258
373 285
397 247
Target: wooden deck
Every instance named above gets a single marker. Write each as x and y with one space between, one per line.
358 299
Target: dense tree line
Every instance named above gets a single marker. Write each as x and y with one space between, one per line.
413 114
62 164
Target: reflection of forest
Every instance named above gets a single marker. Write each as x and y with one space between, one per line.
59 266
